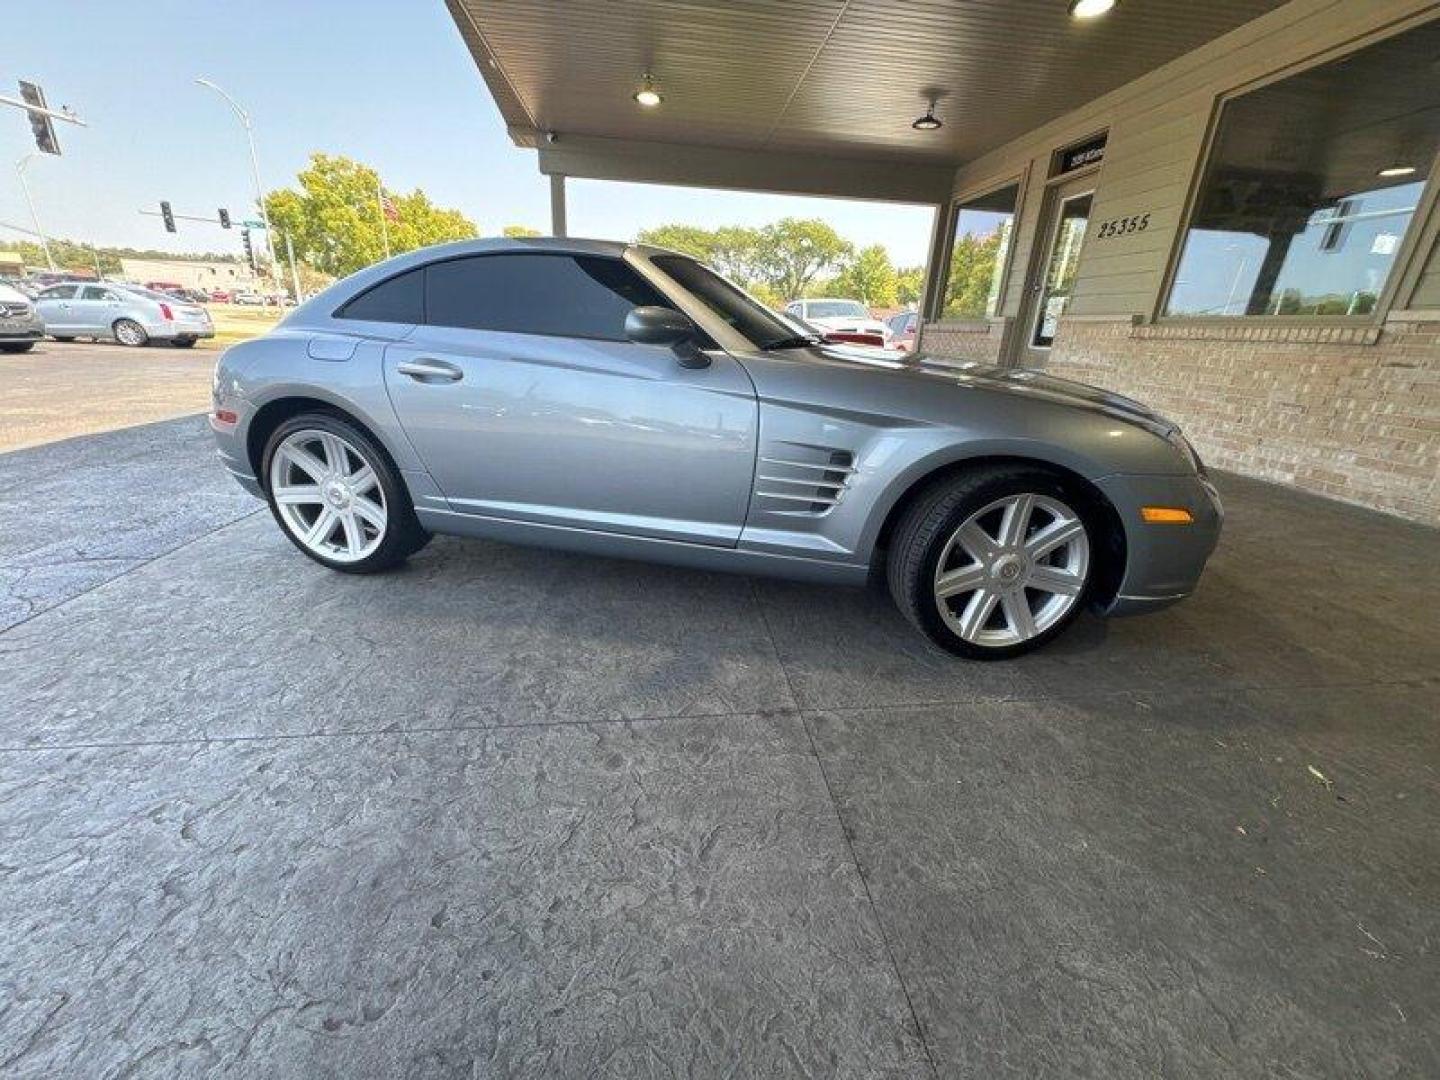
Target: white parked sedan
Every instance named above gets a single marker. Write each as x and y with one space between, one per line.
128 313
836 316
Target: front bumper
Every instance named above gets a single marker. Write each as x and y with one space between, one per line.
13 331
1163 563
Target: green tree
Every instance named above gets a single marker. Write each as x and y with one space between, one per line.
971 284
70 255
792 252
909 284
335 222
870 277
731 249
519 232
688 239
311 280
776 262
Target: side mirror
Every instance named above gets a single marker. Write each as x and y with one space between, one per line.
653 325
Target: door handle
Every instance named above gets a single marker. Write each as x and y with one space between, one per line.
427 370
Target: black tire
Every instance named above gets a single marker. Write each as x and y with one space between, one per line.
404 535
67 337
16 346
926 526
123 328
183 342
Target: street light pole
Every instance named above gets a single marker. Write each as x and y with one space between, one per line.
254 168
30 202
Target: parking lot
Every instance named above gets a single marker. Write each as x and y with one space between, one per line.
512 812
59 389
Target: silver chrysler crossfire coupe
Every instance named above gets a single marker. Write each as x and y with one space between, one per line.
628 401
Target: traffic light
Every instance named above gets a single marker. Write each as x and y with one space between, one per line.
224 218
39 123
167 216
249 249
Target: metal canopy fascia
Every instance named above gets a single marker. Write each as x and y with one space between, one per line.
598 158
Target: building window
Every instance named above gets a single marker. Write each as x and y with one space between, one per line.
979 253
1311 185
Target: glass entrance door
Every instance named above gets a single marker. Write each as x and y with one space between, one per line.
1053 279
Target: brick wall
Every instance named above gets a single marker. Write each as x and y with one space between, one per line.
983 341
1352 414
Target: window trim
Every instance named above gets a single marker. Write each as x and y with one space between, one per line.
1404 277
419 268
423 268
1020 181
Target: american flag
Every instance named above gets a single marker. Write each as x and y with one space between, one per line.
388 208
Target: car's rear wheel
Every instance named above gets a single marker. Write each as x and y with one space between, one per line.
130 332
17 346
993 563
337 497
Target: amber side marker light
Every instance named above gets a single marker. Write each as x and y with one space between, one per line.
1166 515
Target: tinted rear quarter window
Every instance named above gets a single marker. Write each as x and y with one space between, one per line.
401 299
581 296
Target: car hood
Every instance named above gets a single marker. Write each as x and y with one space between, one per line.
920 384
1033 383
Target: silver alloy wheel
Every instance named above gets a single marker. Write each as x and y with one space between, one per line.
1012 570
328 495
129 332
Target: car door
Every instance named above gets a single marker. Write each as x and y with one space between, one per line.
97 308
525 401
56 306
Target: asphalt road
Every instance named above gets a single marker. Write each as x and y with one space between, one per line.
60 390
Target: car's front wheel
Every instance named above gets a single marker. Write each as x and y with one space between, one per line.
130 332
337 497
994 562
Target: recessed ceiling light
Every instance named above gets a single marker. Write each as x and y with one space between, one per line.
647 95
1397 170
928 122
1090 9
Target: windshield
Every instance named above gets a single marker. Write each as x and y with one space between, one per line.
835 309
748 317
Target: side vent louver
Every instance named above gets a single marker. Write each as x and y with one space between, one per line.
802 479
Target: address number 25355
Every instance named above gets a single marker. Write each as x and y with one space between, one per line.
1123 225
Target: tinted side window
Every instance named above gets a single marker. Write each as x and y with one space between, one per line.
60 292
401 299
563 295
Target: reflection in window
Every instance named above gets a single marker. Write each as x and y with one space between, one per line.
1060 269
977 255
1311 185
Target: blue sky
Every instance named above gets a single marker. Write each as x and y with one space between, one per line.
388 83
